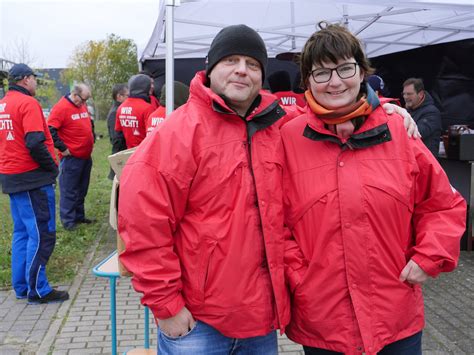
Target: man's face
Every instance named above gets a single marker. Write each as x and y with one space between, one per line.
411 97
121 97
31 84
81 99
239 79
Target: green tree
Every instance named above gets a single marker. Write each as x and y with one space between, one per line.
102 64
46 92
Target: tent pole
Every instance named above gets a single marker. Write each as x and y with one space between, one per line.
169 62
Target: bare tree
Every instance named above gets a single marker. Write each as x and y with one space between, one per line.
18 51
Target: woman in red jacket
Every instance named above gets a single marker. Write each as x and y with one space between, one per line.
372 213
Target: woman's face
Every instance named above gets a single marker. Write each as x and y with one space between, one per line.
336 92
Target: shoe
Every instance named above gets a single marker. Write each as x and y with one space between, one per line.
70 227
53 297
86 221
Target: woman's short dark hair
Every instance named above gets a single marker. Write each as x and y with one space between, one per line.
330 44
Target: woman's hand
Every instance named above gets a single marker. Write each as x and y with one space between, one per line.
413 274
409 123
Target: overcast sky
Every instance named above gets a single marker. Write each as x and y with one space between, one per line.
52 29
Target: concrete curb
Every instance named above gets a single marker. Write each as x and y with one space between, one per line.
55 326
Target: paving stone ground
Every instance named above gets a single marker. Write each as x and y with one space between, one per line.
82 325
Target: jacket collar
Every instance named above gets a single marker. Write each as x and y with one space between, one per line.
68 98
369 134
20 89
143 97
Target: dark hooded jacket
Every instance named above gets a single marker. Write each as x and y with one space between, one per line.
428 119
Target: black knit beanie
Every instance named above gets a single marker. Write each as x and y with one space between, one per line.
240 40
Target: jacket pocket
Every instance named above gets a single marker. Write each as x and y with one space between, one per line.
169 337
205 268
399 193
298 277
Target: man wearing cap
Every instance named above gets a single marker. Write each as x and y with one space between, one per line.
377 83
28 171
72 131
132 114
200 210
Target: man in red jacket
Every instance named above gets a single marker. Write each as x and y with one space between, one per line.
28 171
71 127
200 210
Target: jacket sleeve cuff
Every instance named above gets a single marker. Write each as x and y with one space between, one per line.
170 309
432 268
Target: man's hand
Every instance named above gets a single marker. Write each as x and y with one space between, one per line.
66 153
178 325
409 123
413 274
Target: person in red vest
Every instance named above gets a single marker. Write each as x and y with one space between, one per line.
280 86
28 171
181 94
130 120
72 129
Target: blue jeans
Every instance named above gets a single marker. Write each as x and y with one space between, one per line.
205 340
406 346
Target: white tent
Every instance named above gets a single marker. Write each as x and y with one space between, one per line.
285 25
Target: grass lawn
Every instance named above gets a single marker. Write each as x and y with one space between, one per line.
71 247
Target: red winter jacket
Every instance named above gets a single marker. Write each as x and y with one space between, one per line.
201 215
358 213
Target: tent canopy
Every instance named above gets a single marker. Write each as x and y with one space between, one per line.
285 25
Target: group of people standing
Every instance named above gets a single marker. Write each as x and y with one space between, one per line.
28 171
240 219
240 216
135 111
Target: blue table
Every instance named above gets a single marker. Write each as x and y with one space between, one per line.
109 268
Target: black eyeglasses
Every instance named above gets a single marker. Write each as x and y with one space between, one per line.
345 71
83 100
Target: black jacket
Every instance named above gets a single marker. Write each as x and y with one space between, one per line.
111 120
428 119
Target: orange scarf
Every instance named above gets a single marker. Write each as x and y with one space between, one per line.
363 107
